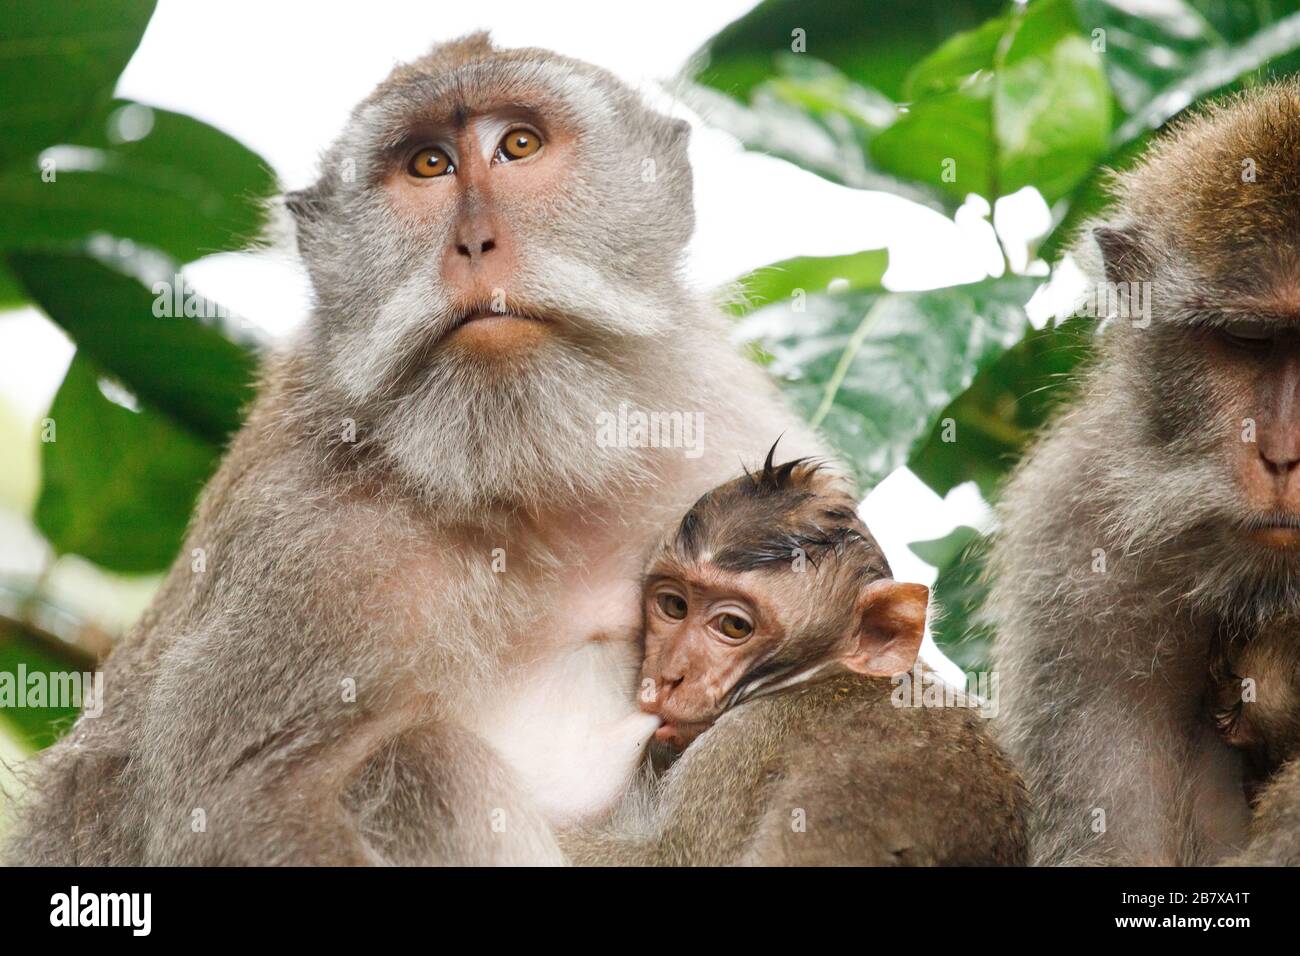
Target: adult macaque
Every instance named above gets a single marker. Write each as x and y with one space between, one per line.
415 637
1161 511
772 629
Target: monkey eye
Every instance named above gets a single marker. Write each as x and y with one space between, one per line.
1247 334
519 143
430 162
673 605
733 627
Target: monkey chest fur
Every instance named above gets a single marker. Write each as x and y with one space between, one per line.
562 710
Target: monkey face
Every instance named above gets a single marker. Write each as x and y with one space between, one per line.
1222 405
494 245
701 641
715 639
484 203
1203 241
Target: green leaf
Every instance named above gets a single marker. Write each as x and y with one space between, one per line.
57 62
1021 101
119 485
1008 402
811 274
874 370
187 367
960 593
875 45
1152 51
12 295
815 117
21 656
162 179
1160 65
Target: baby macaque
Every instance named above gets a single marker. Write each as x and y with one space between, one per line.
772 629
770 581
1255 699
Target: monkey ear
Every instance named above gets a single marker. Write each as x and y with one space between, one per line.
308 204
304 204
1121 251
890 619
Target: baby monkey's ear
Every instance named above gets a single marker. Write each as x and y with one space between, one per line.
890 617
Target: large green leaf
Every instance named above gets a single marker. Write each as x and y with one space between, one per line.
1152 49
995 418
811 275
118 485
817 118
1021 101
874 370
1160 65
187 367
874 42
57 61
157 177
959 593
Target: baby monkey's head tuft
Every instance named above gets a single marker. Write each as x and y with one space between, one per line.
783 513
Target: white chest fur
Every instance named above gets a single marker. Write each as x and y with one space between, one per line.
565 717
569 727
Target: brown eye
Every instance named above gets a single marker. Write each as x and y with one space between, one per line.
673 605
430 162
733 627
519 143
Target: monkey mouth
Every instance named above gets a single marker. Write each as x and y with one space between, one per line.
1277 530
482 312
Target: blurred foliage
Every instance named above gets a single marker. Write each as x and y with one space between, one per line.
102 201
935 102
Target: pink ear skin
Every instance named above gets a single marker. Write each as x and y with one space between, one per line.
890 627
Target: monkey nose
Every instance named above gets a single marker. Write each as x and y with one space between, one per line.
475 249
1279 460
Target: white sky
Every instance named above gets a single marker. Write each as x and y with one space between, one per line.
282 77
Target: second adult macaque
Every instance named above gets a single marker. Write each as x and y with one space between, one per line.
772 628
1161 510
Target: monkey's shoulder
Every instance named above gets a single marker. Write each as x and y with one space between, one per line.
904 784
859 713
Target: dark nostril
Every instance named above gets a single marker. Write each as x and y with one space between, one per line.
476 249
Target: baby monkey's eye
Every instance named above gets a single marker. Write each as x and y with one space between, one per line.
519 143
430 162
734 627
673 605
